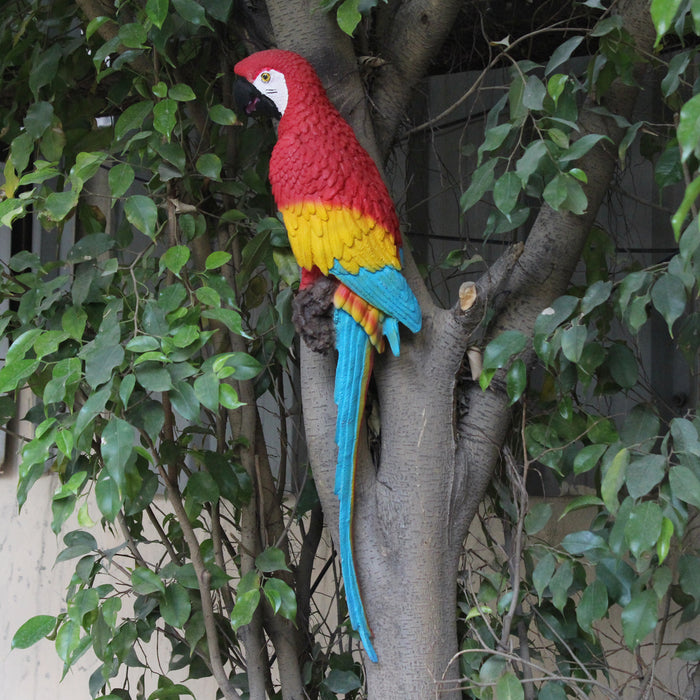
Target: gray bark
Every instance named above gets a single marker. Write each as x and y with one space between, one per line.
413 511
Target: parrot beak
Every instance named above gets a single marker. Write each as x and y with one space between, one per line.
249 100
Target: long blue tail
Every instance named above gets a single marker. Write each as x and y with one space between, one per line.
351 379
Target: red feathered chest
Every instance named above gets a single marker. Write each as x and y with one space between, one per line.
318 158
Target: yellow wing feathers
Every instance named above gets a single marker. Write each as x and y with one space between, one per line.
322 234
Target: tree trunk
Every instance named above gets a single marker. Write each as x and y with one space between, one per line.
413 510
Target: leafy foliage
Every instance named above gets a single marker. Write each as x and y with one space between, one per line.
149 343
644 464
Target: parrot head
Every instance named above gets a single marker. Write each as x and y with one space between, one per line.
269 81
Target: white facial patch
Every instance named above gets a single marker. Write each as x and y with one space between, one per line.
272 83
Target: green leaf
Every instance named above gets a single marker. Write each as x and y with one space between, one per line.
108 496
175 258
623 365
175 606
85 167
685 437
586 501
145 581
32 631
222 115
573 341
509 687
613 479
505 192
516 380
141 212
688 650
593 604
143 343
494 138
201 488
217 259
59 205
498 352
669 298
94 405
67 639
349 16
543 572
132 35
639 617
689 127
38 119
643 527
482 182
663 545
560 583
271 559
181 93
692 191
245 608
11 209
116 445
579 148
644 473
598 293
120 178
209 165
230 318
185 401
534 93
689 575
663 13
170 692
583 542
132 118
537 517
552 691
192 12
685 485
244 366
530 160
157 11
165 116
341 682
562 53
587 458
281 597
206 389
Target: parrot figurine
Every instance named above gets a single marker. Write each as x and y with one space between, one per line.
342 225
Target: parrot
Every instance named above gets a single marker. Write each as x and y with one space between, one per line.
342 225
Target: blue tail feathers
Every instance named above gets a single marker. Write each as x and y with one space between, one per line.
351 379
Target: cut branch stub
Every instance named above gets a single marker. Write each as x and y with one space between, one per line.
467 295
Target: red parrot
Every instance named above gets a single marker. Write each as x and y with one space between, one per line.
342 224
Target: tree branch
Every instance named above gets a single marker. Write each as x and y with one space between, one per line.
108 30
544 270
204 582
417 30
300 26
456 326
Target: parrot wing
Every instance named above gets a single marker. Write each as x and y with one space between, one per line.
359 252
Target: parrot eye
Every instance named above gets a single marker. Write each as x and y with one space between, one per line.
265 77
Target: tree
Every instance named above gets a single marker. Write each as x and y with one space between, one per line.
150 349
